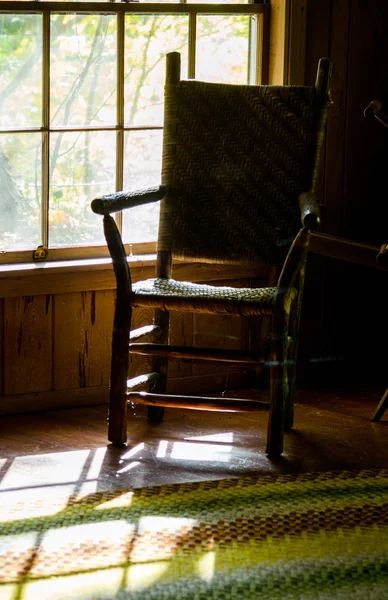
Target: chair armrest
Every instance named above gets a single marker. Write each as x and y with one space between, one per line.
382 257
375 109
110 203
309 210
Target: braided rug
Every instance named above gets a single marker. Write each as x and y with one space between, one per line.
316 535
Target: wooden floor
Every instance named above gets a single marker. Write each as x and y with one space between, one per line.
67 449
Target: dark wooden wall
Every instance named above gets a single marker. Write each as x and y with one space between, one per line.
345 316
55 347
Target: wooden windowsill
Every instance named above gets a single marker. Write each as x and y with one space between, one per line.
82 275
73 265
59 277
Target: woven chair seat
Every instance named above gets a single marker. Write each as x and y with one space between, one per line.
169 294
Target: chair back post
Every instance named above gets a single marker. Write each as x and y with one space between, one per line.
173 68
323 79
163 270
173 74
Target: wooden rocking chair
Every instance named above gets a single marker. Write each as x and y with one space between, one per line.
238 175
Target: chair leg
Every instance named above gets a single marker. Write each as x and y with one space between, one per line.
117 413
160 365
382 407
292 352
292 355
278 376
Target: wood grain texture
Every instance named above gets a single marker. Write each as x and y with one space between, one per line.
317 36
82 339
2 345
220 331
316 322
28 347
222 404
194 353
334 432
51 400
346 250
297 42
182 333
336 123
277 42
366 156
93 275
317 46
140 365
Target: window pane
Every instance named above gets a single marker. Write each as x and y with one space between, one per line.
142 168
222 48
20 184
148 38
20 71
82 166
83 70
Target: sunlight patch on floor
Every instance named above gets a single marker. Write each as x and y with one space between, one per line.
45 469
202 452
226 437
189 450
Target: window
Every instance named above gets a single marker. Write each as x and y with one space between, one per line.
81 109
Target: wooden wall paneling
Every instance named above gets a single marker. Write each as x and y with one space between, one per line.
82 339
140 365
258 330
99 332
333 295
2 344
220 331
317 46
182 334
277 45
34 279
287 41
318 24
336 125
317 36
69 340
28 347
297 42
51 400
365 204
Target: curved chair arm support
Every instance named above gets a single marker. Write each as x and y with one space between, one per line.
375 109
309 210
294 261
110 203
382 257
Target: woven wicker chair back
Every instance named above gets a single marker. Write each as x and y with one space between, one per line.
235 159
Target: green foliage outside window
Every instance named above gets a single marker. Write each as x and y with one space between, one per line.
83 97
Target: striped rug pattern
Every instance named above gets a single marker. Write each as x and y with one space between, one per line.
318 535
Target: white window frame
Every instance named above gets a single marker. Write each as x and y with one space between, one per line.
259 72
